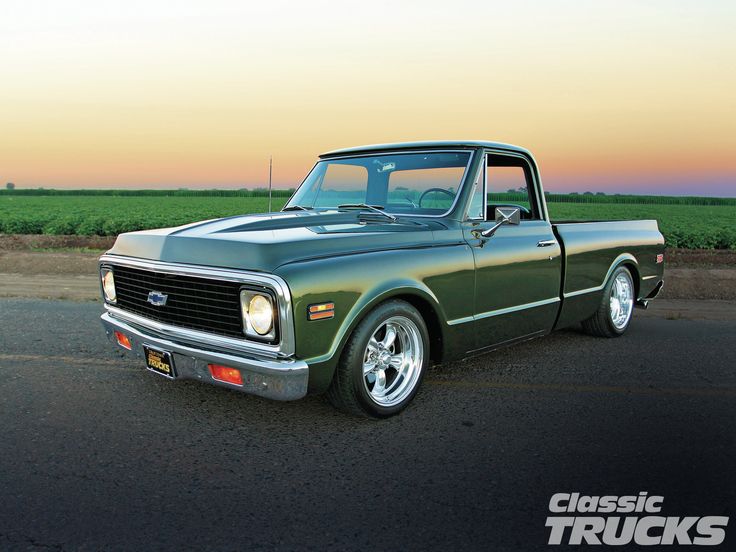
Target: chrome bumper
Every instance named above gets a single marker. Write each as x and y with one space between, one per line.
280 379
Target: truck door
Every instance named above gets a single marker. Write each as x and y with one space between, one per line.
517 269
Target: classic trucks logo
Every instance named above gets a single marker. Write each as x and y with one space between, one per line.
621 520
157 299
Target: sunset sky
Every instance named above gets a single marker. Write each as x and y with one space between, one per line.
616 96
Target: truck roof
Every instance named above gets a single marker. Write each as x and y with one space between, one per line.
430 144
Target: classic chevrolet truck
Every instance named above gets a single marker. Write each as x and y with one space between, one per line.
386 258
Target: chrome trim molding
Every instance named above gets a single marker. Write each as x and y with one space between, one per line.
582 291
285 379
286 346
649 277
506 310
617 261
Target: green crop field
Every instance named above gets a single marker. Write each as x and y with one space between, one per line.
708 223
111 215
688 226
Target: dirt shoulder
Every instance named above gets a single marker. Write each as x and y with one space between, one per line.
65 267
32 242
689 309
51 267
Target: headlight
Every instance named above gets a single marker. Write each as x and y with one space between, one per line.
258 314
108 285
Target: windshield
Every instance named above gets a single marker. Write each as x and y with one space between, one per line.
404 183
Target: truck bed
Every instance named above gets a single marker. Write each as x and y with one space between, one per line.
591 248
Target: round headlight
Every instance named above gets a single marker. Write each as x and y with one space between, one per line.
260 313
108 285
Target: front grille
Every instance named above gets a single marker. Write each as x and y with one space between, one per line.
198 303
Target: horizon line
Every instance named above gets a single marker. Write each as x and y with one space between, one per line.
205 188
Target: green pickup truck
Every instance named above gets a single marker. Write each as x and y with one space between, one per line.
387 258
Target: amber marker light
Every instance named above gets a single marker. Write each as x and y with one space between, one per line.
321 311
226 374
123 340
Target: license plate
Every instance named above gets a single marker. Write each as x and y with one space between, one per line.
160 362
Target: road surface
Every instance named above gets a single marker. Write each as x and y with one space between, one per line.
99 454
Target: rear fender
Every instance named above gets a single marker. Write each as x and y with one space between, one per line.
581 304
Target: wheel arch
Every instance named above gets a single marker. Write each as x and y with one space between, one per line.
420 298
629 261
634 269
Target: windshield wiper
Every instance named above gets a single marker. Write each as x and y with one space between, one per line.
297 208
372 208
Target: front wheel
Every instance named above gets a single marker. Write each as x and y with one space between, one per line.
617 304
383 362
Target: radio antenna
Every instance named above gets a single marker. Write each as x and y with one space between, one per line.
270 171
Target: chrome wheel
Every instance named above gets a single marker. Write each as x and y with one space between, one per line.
392 362
622 300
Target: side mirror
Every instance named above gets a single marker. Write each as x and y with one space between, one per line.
508 215
504 215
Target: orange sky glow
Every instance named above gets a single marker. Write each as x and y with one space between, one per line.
626 96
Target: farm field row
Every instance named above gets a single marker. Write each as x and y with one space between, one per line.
686 226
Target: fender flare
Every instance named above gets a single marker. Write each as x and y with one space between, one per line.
377 295
622 259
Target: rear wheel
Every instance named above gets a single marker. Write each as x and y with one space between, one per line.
383 363
617 305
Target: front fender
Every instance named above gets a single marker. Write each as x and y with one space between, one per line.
438 277
383 292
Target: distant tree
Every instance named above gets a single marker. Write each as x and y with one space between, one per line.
600 193
587 193
10 186
510 191
574 193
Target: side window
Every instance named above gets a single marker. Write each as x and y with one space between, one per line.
509 182
342 183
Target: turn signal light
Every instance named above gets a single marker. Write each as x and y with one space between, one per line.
123 340
226 374
321 311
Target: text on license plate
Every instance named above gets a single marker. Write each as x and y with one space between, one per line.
159 361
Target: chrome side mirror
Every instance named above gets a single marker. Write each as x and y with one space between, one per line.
504 215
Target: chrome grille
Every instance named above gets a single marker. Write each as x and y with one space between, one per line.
197 303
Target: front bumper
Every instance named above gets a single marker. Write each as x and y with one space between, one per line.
280 379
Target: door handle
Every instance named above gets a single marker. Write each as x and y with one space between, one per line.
546 243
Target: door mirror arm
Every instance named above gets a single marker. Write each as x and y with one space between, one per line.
504 215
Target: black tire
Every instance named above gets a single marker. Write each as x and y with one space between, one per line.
348 391
601 323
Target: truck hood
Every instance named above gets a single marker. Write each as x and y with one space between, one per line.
265 242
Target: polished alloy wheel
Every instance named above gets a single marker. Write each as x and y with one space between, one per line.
622 300
392 361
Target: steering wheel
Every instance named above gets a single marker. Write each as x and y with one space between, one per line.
411 202
430 190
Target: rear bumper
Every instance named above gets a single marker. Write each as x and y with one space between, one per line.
644 303
656 290
280 379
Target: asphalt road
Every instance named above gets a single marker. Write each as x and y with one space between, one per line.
98 454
